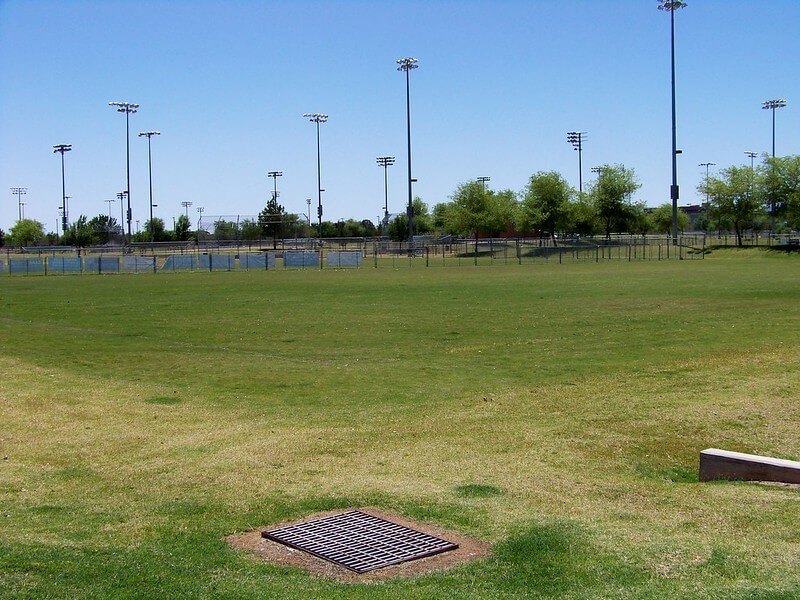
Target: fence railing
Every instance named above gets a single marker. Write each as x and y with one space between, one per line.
376 254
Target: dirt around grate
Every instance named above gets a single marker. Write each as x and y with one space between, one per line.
469 549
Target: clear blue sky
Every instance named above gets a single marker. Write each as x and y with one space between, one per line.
499 85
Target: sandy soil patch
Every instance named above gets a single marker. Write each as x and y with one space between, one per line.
469 549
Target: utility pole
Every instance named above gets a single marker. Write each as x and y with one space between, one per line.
483 181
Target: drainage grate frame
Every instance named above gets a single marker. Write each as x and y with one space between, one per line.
359 541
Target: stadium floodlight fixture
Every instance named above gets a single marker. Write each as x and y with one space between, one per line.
772 105
61 149
128 108
186 204
150 134
318 118
576 138
671 6
752 155
407 65
19 192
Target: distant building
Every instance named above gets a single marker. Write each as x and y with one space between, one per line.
694 212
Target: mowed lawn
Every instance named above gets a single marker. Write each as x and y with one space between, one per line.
554 410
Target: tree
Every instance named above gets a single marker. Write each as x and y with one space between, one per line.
103 227
662 219
546 204
79 234
734 198
159 233
251 230
423 223
779 179
611 195
271 220
475 210
2 238
583 217
641 220
182 228
226 230
26 232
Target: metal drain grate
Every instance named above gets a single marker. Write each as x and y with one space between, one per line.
358 541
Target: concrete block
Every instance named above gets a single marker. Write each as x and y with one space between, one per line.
723 464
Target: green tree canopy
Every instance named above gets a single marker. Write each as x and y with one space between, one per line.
272 221
26 232
612 195
662 219
182 228
546 204
80 233
423 222
779 179
103 227
160 233
734 198
475 210
226 230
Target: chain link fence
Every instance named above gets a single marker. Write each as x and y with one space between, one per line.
360 253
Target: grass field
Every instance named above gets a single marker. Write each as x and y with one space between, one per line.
554 410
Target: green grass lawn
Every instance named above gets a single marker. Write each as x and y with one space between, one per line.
554 410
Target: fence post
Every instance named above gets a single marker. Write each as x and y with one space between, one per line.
597 253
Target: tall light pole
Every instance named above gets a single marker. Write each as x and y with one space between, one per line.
318 118
200 210
772 105
127 108
61 149
274 175
576 139
483 181
150 134
109 202
19 192
385 162
671 6
707 165
186 204
308 213
121 197
752 155
407 64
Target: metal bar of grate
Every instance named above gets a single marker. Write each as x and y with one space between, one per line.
359 541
